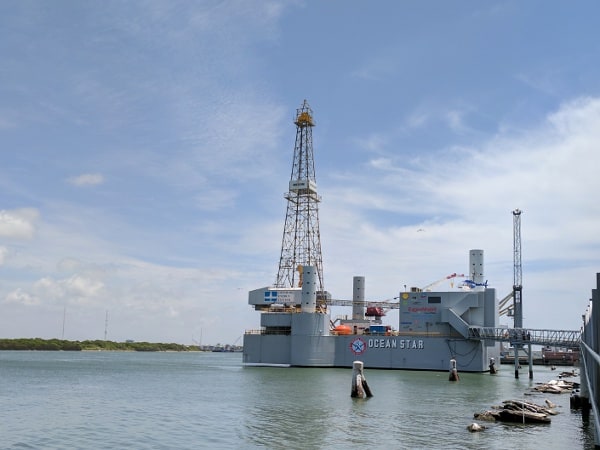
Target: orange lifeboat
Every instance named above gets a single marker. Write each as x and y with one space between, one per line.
343 329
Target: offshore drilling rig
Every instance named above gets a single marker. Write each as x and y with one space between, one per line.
301 242
434 328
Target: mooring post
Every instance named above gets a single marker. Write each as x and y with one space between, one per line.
516 348
453 371
360 388
530 360
493 369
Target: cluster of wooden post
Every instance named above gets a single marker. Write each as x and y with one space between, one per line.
360 388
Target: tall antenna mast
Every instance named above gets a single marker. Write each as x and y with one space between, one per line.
106 325
64 319
518 273
301 242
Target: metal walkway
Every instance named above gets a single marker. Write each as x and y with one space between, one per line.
524 336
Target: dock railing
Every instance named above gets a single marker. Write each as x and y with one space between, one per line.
590 347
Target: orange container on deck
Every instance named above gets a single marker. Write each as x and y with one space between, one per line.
343 329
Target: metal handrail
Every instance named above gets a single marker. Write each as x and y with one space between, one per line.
586 350
557 338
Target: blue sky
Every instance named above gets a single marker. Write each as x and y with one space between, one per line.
146 147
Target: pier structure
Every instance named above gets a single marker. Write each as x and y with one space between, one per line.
521 337
590 358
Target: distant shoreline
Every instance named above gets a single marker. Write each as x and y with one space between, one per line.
97 345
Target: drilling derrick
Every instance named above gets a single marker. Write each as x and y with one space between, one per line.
301 242
518 273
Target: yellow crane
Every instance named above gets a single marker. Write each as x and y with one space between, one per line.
447 277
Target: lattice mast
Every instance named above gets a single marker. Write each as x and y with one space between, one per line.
301 242
518 273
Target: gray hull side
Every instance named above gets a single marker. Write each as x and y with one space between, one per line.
412 352
377 352
267 349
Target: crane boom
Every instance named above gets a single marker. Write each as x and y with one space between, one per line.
447 277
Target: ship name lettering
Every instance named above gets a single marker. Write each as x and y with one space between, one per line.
382 343
409 344
406 344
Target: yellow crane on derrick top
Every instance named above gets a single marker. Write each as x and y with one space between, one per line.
304 118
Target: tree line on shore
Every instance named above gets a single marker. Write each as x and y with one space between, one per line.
61 344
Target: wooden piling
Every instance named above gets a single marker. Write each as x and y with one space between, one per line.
493 369
360 388
453 371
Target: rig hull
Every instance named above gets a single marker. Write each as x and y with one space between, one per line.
432 331
380 352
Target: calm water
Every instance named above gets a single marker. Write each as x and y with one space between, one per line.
95 400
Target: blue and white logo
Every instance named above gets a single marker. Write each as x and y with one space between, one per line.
270 296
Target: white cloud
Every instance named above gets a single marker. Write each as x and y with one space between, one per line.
417 119
18 223
453 116
69 265
455 120
82 287
77 289
87 179
21 297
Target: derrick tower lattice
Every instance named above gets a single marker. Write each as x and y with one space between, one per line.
518 273
301 242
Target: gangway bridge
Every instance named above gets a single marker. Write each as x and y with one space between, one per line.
518 338
523 336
